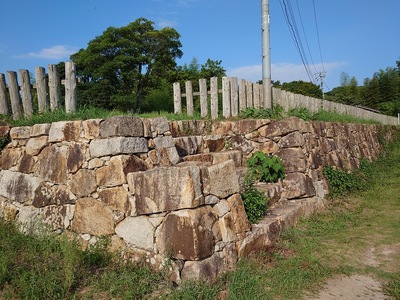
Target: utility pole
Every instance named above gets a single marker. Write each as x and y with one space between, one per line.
266 54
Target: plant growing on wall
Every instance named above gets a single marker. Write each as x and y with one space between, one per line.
261 168
265 168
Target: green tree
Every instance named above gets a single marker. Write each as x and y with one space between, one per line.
301 87
126 62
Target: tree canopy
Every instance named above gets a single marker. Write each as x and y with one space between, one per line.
123 63
300 87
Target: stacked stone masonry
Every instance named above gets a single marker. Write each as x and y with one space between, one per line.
169 192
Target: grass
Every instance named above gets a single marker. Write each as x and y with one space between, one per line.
85 113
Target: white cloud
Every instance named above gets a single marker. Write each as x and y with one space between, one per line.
53 53
284 72
167 23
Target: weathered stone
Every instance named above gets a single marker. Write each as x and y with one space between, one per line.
47 194
95 163
223 127
214 143
205 269
248 125
118 167
221 180
93 217
189 145
163 142
138 232
18 186
4 130
284 127
240 223
234 155
292 140
269 147
40 130
58 217
298 185
221 208
28 219
116 198
35 145
65 131
206 158
91 128
52 164
187 234
272 190
117 145
168 156
211 200
126 126
27 164
83 183
23 132
242 144
293 159
159 125
166 189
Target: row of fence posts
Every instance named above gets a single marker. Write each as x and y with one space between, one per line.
237 95
16 98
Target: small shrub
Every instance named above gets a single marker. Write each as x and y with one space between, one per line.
265 168
255 204
301 112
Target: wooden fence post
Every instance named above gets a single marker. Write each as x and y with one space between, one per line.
70 87
27 101
234 97
214 97
249 94
226 101
54 87
4 106
177 98
203 98
189 98
242 95
256 96
16 105
43 103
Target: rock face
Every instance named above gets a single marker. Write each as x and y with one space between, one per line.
171 191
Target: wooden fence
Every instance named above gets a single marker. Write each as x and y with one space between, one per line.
237 95
16 98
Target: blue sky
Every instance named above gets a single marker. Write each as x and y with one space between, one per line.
358 37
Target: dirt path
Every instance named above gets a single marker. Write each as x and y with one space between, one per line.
365 287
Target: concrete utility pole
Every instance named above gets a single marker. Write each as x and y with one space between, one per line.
266 55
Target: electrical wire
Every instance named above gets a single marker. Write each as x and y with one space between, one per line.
295 38
317 30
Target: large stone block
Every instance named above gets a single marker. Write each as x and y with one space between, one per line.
10 157
40 130
221 180
118 167
137 231
58 217
189 145
293 159
187 234
284 127
166 189
52 164
126 126
83 183
117 145
298 185
23 132
18 186
116 198
65 131
292 140
35 145
93 217
48 194
91 128
206 269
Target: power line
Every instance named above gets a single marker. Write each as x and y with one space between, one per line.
295 37
319 43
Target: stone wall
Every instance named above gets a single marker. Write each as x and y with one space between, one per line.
169 192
